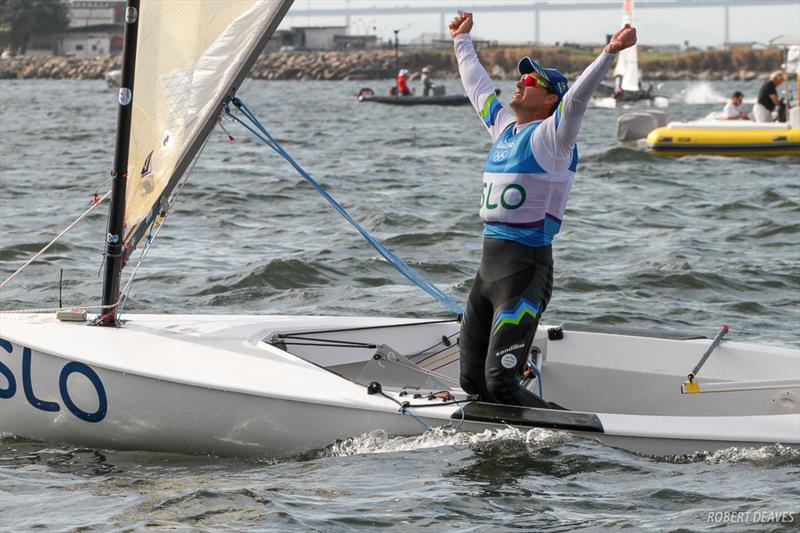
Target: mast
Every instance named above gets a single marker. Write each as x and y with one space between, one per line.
114 236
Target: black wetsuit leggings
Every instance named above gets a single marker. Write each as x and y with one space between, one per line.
511 291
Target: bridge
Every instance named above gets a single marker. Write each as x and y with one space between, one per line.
536 7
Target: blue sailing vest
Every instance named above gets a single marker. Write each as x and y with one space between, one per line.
522 202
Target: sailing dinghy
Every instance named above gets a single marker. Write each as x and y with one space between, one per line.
277 386
627 76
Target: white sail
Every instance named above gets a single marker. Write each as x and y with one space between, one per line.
190 54
628 60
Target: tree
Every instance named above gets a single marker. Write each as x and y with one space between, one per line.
20 19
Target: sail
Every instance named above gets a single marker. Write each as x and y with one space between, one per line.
191 55
628 60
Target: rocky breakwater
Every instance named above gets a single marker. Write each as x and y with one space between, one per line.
735 64
58 67
355 65
361 65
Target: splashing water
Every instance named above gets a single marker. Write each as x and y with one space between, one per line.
378 441
702 93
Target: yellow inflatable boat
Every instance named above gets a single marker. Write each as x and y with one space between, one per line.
724 137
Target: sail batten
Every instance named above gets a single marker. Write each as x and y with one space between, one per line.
192 55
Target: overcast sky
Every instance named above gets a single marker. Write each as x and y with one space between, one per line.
700 26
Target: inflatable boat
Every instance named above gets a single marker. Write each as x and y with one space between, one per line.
652 130
449 100
727 138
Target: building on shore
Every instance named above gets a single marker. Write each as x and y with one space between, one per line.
355 42
91 41
319 38
83 13
96 28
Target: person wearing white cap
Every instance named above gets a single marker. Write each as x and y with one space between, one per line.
526 181
402 83
425 79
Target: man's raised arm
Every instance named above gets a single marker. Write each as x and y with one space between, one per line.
562 128
476 81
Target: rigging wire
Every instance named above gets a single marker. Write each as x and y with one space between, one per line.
151 236
96 200
157 224
411 274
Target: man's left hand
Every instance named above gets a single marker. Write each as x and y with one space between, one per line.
625 37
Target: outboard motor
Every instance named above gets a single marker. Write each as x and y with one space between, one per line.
438 90
637 124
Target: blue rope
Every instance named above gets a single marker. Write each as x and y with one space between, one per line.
406 411
463 416
412 275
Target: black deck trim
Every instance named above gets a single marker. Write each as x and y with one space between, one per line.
513 415
633 332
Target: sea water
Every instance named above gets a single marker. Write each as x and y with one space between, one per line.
685 243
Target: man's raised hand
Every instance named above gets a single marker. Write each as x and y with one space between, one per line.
625 37
462 23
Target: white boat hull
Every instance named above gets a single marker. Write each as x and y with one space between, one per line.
212 385
151 414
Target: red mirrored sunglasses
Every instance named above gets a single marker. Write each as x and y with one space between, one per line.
532 81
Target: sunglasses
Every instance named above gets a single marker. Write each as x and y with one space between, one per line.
532 81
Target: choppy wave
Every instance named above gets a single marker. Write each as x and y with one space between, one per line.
647 242
775 454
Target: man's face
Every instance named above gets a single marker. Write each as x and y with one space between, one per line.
737 100
532 93
778 80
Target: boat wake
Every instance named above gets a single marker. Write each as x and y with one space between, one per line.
379 441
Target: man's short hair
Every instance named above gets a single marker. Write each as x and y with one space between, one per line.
775 75
737 94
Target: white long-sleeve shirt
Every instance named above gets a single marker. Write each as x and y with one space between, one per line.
554 139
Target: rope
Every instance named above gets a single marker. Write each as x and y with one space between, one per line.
463 416
50 309
427 371
412 275
95 202
406 411
86 307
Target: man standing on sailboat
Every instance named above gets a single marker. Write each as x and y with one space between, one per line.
526 182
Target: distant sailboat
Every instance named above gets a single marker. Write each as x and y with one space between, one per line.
627 76
275 386
627 68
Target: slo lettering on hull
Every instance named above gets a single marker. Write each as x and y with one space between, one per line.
72 367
